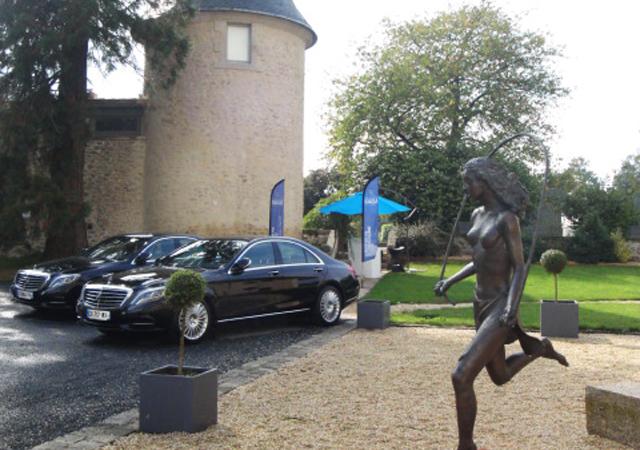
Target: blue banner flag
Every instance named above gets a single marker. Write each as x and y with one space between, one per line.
276 212
370 219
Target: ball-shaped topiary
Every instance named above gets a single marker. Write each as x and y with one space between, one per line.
185 288
554 261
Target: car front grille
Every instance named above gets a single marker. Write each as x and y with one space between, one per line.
105 297
30 280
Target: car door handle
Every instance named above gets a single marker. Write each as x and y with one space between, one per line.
318 269
275 272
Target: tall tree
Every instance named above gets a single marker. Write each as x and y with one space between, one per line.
585 193
437 92
627 179
577 174
45 46
318 184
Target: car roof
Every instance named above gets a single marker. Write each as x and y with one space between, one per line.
156 235
252 238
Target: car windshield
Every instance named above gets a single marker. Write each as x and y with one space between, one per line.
210 255
119 248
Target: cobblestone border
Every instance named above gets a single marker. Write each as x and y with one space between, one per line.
119 425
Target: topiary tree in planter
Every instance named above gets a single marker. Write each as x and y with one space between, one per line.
185 289
554 261
557 318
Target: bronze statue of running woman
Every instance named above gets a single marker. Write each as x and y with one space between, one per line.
498 264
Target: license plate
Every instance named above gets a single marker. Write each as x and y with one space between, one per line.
24 295
95 314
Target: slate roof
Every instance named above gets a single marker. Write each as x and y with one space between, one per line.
283 9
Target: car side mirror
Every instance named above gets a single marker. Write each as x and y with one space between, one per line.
141 259
240 265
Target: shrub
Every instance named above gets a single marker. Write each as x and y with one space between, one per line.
314 219
424 239
185 288
591 242
554 262
385 229
621 247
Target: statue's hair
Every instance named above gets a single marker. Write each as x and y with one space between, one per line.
503 183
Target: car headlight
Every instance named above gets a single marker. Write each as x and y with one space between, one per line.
64 280
149 295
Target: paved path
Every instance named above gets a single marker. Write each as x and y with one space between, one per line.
57 376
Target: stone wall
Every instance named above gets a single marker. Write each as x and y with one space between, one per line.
227 132
113 184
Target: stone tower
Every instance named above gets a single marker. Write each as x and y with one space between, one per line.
232 125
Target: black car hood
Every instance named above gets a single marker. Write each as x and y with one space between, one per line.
148 276
75 264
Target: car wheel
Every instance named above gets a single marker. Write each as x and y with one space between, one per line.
197 322
328 306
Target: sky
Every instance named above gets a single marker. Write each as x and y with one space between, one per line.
599 120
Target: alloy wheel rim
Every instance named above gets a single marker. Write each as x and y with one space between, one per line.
330 305
195 321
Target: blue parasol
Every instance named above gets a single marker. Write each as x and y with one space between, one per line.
353 205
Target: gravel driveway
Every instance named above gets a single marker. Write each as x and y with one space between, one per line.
57 376
392 390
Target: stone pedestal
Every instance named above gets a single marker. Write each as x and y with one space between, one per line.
171 402
613 412
559 318
373 314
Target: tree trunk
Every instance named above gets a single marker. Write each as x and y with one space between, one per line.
66 232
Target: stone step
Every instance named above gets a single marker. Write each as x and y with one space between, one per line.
613 412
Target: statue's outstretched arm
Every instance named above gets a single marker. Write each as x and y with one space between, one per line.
442 285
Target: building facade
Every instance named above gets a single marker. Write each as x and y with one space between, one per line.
202 156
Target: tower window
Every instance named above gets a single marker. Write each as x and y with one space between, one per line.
239 43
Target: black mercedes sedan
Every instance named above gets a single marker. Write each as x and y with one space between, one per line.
57 284
247 278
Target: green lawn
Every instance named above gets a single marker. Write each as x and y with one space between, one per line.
577 282
618 317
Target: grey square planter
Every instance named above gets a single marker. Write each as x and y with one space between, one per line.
559 318
170 402
373 314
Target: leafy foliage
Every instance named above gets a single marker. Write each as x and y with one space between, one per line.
614 208
318 184
578 174
45 46
586 194
621 247
315 220
591 242
184 289
385 229
436 93
627 179
425 239
553 261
